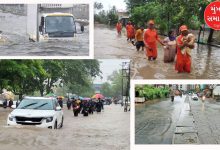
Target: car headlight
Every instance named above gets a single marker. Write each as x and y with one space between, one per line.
49 119
11 118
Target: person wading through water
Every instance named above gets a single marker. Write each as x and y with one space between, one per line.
150 40
130 31
139 37
119 27
185 43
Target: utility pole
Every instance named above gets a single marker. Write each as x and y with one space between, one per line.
126 84
37 30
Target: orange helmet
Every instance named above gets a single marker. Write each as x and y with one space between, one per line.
183 28
151 22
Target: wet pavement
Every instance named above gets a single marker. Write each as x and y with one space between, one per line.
205 59
155 123
207 120
108 130
17 42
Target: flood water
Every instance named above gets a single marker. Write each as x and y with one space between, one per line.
17 42
205 59
106 131
155 123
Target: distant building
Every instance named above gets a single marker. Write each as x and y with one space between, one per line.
183 87
123 16
79 11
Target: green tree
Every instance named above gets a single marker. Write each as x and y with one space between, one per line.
168 14
29 76
98 5
116 82
112 16
107 89
20 76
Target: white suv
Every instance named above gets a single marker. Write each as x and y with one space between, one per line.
38 111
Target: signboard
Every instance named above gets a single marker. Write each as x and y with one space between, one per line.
212 15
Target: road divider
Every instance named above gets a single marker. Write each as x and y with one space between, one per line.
186 132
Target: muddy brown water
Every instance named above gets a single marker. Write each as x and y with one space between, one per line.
108 130
205 59
18 44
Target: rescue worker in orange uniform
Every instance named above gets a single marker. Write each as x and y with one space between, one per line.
150 40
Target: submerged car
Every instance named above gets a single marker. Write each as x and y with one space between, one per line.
195 97
37 111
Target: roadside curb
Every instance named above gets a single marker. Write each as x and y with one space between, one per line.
185 132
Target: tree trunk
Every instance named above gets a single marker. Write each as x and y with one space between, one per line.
42 92
20 95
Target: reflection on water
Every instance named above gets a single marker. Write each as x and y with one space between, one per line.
17 43
155 123
106 131
205 59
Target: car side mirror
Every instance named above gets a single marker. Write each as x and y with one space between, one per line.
58 108
13 106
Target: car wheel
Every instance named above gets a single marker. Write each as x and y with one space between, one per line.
55 125
61 125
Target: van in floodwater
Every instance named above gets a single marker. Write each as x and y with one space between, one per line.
50 22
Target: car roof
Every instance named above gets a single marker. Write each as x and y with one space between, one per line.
39 98
57 14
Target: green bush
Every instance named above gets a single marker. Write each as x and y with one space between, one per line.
150 92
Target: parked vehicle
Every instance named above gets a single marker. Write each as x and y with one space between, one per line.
216 93
190 93
107 102
195 97
37 111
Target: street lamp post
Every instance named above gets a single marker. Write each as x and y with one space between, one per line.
126 87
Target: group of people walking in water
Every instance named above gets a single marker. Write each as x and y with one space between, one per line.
176 48
84 107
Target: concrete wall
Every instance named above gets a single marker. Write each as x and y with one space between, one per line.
80 11
19 9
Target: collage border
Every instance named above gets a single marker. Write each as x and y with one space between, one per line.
132 84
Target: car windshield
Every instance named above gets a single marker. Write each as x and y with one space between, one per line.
39 104
59 24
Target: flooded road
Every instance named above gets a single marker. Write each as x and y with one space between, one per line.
106 131
17 42
155 123
205 59
207 120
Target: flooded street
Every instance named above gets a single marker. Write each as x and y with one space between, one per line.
155 123
162 122
207 120
17 43
205 59
108 130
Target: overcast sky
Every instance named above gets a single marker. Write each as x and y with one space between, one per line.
107 66
120 4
